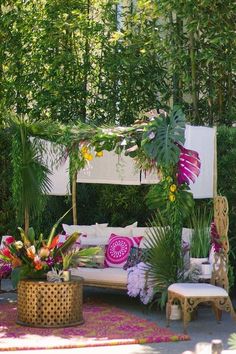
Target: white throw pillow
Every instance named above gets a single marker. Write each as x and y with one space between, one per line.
82 229
89 230
146 233
105 233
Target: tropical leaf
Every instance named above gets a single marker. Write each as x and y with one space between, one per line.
200 221
67 244
31 235
188 166
159 141
31 176
24 237
166 265
232 341
157 199
53 230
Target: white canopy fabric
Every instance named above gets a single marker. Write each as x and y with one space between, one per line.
114 169
110 169
203 140
59 170
60 179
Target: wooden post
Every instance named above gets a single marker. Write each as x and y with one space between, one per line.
26 220
74 201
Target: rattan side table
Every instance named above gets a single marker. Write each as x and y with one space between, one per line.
45 304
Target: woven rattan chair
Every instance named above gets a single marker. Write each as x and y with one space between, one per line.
190 295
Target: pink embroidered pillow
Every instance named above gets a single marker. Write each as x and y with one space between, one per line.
118 250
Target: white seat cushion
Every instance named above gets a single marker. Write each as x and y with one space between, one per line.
111 275
197 289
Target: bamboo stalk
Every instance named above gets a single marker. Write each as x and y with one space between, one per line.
86 65
193 77
230 90
210 95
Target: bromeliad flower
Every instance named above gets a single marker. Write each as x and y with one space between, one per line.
188 166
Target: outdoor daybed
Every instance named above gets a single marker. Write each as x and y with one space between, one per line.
110 275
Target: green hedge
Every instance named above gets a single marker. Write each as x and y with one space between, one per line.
226 165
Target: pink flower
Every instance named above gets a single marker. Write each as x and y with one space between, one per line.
9 240
6 252
215 238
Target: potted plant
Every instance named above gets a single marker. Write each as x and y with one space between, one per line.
34 257
200 241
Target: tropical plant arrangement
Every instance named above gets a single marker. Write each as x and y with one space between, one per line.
163 142
33 257
201 240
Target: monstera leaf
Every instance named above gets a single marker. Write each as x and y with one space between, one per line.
161 141
188 166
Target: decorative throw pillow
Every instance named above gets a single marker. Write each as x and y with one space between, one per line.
118 250
136 256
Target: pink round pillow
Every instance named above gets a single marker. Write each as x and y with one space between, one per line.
118 250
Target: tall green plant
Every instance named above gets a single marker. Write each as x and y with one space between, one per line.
164 256
200 242
30 178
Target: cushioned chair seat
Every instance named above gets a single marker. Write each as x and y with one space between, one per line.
197 290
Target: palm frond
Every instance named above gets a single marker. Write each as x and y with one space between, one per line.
232 341
164 256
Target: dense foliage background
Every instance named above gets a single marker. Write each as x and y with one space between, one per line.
104 62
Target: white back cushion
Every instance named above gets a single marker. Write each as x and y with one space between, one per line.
89 230
120 231
146 232
83 229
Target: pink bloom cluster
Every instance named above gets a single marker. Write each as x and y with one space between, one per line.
215 238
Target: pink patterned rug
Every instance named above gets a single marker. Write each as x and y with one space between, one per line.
104 325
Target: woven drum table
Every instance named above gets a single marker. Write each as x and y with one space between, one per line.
45 304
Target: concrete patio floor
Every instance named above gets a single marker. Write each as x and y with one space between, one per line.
204 329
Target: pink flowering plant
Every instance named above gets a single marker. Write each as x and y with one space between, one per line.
32 257
216 240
